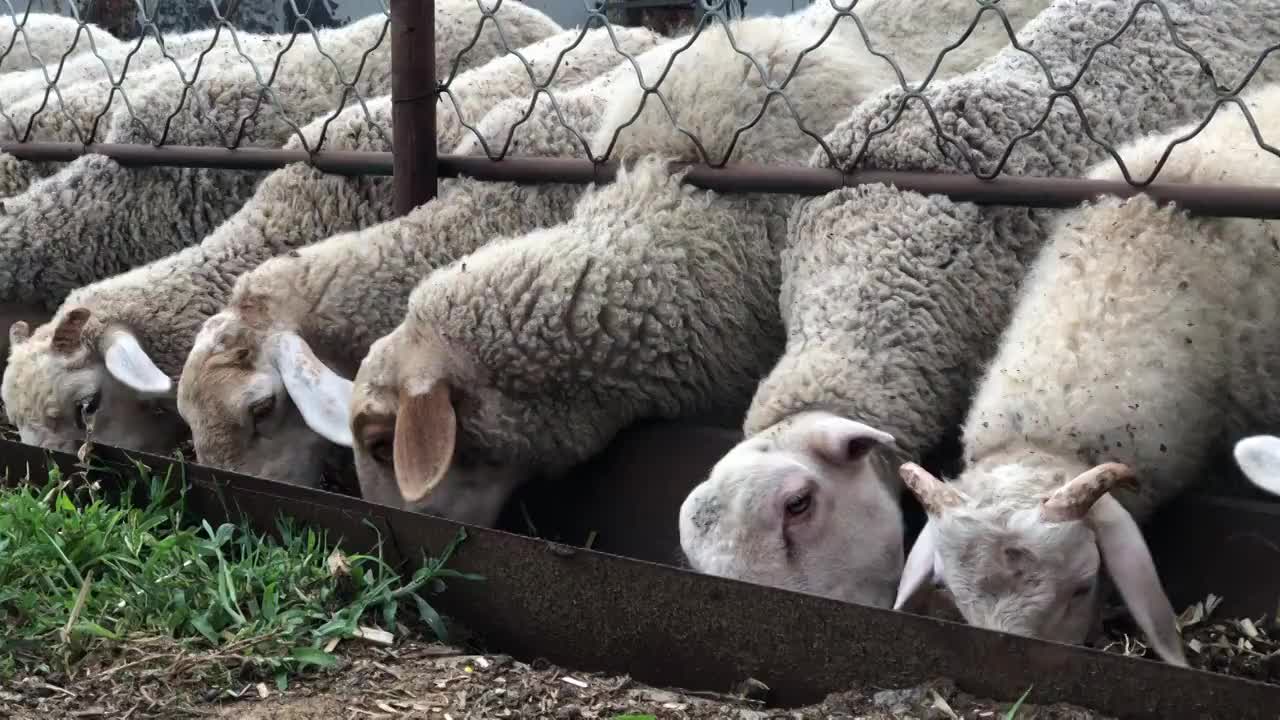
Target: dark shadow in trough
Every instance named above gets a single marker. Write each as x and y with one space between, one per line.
595 611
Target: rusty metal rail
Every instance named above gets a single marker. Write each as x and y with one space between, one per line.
1045 192
668 626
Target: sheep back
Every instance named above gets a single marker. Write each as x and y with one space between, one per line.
915 377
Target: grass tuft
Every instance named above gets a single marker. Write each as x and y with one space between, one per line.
89 585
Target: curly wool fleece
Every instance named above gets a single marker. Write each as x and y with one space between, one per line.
893 300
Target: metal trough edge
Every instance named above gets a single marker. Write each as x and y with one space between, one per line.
667 626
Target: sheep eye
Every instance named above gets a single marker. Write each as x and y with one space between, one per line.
798 504
87 407
261 409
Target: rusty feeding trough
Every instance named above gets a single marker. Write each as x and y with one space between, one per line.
626 606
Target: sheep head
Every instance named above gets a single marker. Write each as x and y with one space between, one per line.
1035 569
79 377
404 423
260 402
800 506
1259 459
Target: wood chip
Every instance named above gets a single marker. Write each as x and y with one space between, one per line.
482 662
55 688
338 564
939 703
574 681
1247 626
333 643
263 692
392 672
386 708
374 635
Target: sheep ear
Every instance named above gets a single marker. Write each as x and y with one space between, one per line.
1259 459
19 331
922 567
841 441
1074 500
130 364
936 496
67 334
321 395
426 430
1128 561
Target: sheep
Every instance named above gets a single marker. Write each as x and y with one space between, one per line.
239 391
77 112
114 61
70 359
1259 459
1170 323
173 208
516 381
33 40
892 299
894 27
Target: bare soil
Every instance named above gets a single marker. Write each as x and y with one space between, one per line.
418 680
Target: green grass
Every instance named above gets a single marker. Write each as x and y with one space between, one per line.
1013 711
91 586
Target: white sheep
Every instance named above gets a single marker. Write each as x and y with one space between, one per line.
1259 459
129 388
80 112
33 40
113 218
241 392
1142 341
892 300
532 352
114 62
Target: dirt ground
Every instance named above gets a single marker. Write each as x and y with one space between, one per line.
435 682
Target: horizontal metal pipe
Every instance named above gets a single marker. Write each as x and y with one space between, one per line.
338 162
1043 192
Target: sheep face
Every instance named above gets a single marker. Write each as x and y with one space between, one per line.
404 427
260 402
77 378
1035 568
800 506
1259 459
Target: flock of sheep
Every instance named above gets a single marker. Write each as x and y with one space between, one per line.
1097 358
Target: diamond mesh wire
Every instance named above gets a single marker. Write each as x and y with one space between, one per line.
92 63
90 49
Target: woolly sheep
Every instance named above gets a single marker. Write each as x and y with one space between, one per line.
1170 324
241 392
1259 459
895 29
68 101
38 39
73 360
893 299
528 355
107 65
78 112
172 208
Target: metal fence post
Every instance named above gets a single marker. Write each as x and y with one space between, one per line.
413 98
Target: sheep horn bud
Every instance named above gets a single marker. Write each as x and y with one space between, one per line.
936 496
1074 500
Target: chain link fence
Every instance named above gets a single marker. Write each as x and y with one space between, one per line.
259 84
